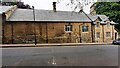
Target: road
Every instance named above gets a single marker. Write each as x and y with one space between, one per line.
99 55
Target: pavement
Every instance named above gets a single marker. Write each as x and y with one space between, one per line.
52 44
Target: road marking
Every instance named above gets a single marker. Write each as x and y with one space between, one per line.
53 62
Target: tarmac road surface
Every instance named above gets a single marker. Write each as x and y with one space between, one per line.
100 55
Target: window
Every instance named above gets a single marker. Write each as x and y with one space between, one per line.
98 34
107 34
84 28
68 28
97 25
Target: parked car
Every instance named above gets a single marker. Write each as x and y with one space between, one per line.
117 41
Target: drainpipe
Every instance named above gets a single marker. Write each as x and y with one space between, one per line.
103 32
46 33
3 24
112 32
94 34
34 25
12 32
70 32
80 33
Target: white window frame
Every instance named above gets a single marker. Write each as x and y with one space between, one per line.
68 28
87 28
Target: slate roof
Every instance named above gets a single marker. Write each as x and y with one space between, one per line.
93 17
48 15
103 17
4 8
51 16
22 15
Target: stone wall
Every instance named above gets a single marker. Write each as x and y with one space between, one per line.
24 32
103 29
110 29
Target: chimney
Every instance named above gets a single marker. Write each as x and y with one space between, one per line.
54 6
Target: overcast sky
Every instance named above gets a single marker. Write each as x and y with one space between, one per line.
47 5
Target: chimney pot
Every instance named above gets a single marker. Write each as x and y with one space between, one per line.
54 6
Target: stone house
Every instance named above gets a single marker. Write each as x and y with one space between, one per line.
51 26
47 26
7 12
103 29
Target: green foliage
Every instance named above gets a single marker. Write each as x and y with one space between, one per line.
110 9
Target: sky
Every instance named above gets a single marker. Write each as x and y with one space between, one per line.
47 5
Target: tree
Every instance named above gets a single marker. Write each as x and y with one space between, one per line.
110 9
16 2
77 4
23 6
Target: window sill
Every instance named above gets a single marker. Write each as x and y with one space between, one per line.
85 32
68 31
